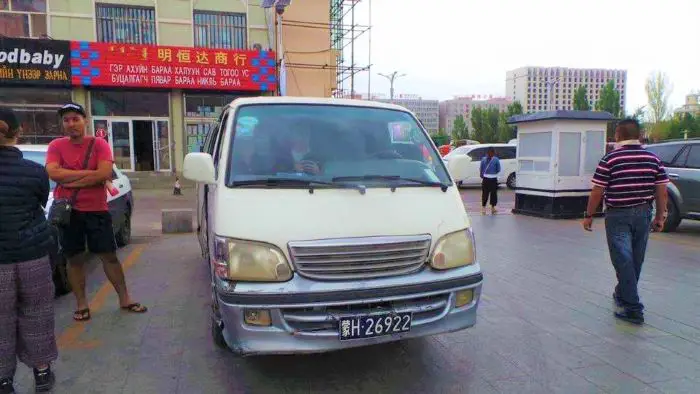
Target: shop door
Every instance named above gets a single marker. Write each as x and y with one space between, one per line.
122 140
161 145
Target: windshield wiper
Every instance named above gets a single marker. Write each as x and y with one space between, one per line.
395 178
272 182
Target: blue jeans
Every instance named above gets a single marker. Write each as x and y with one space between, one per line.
627 230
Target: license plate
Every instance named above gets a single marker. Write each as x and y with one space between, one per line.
368 326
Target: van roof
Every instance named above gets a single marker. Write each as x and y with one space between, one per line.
315 101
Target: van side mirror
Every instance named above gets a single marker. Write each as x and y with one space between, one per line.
199 167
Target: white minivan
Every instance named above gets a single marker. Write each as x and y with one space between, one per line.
329 224
463 163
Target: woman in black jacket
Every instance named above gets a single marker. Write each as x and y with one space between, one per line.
26 285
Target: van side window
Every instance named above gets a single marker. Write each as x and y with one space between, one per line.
208 146
505 153
693 160
219 141
477 154
666 153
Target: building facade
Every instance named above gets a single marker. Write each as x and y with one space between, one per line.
551 88
427 111
691 106
153 74
465 105
309 62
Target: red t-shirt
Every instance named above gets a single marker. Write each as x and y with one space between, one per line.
70 156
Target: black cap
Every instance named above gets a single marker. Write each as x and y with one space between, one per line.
72 107
8 116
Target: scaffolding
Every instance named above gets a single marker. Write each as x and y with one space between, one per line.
344 32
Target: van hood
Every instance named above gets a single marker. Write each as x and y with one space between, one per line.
279 216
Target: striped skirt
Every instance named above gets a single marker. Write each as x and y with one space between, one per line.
26 315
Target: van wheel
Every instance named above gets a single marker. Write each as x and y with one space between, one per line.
123 236
510 182
217 335
60 277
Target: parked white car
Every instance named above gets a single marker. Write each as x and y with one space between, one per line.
463 163
121 206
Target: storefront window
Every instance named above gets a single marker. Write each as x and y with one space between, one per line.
36 109
23 18
129 103
209 105
28 5
14 25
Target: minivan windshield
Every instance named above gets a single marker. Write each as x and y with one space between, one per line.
295 145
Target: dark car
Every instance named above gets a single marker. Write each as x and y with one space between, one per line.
121 206
682 161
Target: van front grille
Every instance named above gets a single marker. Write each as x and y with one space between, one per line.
360 258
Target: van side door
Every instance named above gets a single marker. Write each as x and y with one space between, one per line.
219 171
202 191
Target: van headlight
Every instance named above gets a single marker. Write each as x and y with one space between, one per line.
249 261
454 250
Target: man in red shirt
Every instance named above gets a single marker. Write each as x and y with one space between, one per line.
90 219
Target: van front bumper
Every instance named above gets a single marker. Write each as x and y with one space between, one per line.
307 321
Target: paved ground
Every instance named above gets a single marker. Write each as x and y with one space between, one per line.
545 324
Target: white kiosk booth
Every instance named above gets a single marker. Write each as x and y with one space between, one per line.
558 152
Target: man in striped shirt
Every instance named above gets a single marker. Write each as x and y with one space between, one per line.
629 178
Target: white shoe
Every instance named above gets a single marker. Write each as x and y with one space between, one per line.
494 210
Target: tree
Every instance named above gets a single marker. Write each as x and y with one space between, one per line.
515 109
459 129
658 89
492 116
638 114
581 100
478 123
609 100
505 131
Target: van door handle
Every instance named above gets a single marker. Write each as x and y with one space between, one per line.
673 176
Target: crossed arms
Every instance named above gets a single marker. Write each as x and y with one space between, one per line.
72 179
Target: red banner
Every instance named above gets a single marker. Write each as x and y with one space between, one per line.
147 66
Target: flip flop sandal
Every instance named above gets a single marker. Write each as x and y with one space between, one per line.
82 314
135 308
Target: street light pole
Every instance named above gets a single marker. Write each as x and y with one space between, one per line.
392 77
550 85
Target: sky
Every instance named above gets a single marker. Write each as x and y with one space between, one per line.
463 47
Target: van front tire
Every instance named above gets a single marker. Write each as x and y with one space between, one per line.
217 335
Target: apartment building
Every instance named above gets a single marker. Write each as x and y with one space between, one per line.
153 74
551 88
465 105
309 61
427 111
691 106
